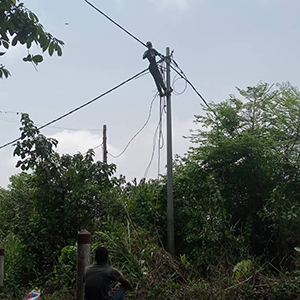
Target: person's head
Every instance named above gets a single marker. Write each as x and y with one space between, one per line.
101 255
149 45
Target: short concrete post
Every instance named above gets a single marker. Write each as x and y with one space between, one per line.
1 266
83 260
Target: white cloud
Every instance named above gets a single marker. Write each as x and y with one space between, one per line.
7 166
139 153
72 142
132 163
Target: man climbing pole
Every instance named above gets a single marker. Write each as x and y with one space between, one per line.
150 54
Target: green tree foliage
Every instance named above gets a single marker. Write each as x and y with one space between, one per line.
64 194
236 205
20 25
241 179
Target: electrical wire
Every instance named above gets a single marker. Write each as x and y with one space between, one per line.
110 19
97 146
131 140
10 112
161 137
182 75
73 129
94 148
153 151
154 143
142 75
81 106
9 120
56 127
176 93
36 124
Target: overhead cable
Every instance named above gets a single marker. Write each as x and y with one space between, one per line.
145 124
55 127
181 74
157 130
10 112
175 79
81 106
94 148
110 19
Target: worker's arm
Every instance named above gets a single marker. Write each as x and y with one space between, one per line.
159 54
145 54
125 282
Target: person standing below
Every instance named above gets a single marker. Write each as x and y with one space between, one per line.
98 278
151 54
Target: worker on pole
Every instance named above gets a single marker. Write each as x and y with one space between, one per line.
151 54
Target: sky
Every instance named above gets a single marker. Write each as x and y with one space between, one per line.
220 45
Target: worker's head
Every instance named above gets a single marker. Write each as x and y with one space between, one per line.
101 255
149 45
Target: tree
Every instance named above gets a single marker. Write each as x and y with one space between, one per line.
241 179
67 195
20 25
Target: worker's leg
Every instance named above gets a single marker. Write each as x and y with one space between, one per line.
161 81
158 79
118 294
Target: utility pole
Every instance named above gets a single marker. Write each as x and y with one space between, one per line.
104 142
170 208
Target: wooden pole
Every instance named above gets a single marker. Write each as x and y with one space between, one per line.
83 260
104 144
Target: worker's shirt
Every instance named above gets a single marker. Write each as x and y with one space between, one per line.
97 279
150 55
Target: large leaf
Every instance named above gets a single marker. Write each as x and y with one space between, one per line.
37 59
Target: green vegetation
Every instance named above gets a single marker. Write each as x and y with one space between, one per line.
20 25
237 209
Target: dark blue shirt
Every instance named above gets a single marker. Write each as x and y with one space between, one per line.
150 54
97 279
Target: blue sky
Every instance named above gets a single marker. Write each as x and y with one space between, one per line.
218 44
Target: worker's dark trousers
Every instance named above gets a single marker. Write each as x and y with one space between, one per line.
157 78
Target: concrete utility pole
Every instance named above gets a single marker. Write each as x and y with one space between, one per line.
104 145
170 218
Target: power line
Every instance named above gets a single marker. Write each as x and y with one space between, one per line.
130 141
81 106
160 138
110 19
10 112
94 148
175 79
9 120
74 129
182 75
56 127
154 143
